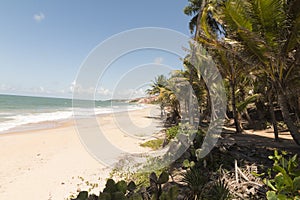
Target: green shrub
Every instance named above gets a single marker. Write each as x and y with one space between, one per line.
188 164
196 181
128 191
284 178
218 191
172 132
201 186
156 183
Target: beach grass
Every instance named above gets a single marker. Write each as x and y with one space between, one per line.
153 144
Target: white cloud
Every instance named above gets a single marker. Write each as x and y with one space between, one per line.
130 93
158 60
6 88
138 93
79 89
88 92
3 87
72 86
39 17
42 89
103 91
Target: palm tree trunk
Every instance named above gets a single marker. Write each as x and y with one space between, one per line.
197 32
260 114
245 112
273 118
208 106
234 110
282 101
250 122
190 107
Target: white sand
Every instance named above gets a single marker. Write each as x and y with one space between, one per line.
49 164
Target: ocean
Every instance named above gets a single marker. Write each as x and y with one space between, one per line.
19 113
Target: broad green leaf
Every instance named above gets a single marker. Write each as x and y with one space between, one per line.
131 186
163 178
296 183
110 186
282 197
257 175
279 181
278 168
269 184
121 186
271 195
295 173
153 177
186 163
105 196
83 195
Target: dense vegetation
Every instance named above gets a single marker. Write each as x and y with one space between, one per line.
255 45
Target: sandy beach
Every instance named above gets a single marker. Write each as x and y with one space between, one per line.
53 163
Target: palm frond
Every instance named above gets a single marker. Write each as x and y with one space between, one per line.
243 105
293 40
271 19
255 45
193 24
236 15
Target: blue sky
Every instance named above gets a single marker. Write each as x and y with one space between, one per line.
43 43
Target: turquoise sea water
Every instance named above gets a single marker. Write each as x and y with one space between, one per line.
19 111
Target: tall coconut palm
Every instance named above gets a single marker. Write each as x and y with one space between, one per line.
255 26
208 33
202 12
164 89
269 31
156 87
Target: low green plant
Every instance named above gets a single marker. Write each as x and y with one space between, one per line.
219 191
113 191
171 194
129 191
82 196
85 196
140 177
153 144
198 140
284 178
200 186
195 181
172 132
188 164
156 184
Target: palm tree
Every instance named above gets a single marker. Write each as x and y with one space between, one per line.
157 85
165 90
159 81
193 75
255 25
263 86
193 9
202 21
269 32
208 32
231 70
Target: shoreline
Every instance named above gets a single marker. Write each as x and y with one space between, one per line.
52 163
53 124
47 118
